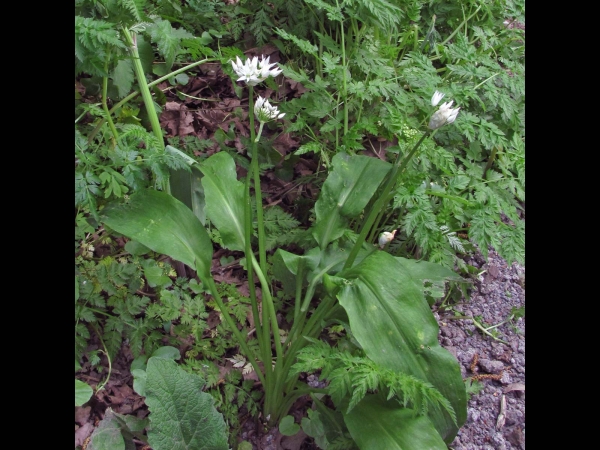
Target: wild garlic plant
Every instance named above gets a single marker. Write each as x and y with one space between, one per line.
379 297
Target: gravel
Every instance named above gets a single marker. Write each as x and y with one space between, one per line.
499 289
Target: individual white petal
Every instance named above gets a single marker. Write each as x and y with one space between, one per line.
452 117
437 96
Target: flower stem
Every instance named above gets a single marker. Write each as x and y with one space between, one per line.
262 254
382 200
144 89
104 104
136 93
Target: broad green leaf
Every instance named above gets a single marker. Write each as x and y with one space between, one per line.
154 274
379 424
182 416
393 323
288 427
316 264
139 381
164 224
136 248
345 193
167 352
432 276
186 186
108 436
116 431
224 199
83 392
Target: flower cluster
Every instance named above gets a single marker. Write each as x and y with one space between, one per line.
444 115
265 111
254 71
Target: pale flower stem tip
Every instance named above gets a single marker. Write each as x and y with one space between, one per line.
386 237
254 71
437 96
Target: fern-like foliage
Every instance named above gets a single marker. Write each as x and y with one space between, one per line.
281 227
355 375
92 40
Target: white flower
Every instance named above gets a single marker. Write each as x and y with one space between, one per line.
254 71
265 111
437 96
386 237
443 116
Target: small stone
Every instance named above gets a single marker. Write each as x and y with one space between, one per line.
490 366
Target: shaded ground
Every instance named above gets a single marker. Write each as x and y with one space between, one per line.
500 366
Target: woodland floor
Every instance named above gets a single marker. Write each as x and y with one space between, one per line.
499 289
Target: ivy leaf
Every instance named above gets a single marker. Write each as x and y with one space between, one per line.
288 427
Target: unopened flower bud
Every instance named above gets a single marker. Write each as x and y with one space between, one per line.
386 237
443 116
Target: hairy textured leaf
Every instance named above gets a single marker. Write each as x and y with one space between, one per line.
182 416
224 199
164 224
116 432
347 190
379 424
391 320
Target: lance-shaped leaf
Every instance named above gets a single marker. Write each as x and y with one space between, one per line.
432 276
164 224
393 323
185 184
379 424
316 263
224 196
345 193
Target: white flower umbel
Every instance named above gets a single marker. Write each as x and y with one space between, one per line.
437 96
443 116
265 112
254 71
386 237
